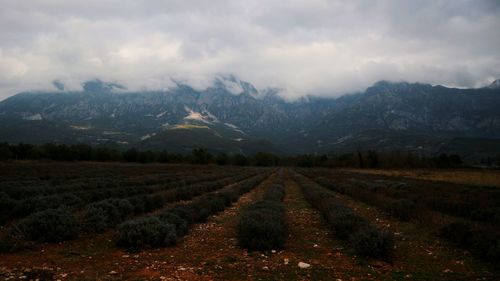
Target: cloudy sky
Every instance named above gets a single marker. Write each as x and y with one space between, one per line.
305 47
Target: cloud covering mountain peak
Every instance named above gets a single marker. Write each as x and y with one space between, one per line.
305 47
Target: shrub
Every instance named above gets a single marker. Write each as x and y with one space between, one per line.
95 220
402 209
229 196
458 233
181 226
366 239
7 205
346 223
200 209
124 207
101 215
446 205
69 200
487 245
484 242
146 232
152 202
138 205
275 192
491 215
41 203
262 227
31 205
183 211
369 241
52 225
214 202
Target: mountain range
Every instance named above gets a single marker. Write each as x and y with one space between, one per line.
233 116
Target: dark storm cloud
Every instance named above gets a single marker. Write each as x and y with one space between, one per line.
305 47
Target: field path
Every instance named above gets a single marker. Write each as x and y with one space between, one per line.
312 242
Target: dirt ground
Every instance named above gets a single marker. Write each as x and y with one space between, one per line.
210 252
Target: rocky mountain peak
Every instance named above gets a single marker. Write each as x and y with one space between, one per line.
495 84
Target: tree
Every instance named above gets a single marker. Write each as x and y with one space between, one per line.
5 152
265 159
372 159
360 158
200 156
130 155
222 159
239 160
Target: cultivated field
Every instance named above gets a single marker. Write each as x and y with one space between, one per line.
99 221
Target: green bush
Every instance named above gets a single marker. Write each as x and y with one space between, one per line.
100 216
95 220
124 207
370 242
181 226
146 232
138 205
41 203
262 227
51 225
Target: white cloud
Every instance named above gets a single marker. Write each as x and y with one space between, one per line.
304 46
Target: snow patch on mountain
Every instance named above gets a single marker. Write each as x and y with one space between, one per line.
148 136
234 128
80 127
343 139
35 117
204 116
161 114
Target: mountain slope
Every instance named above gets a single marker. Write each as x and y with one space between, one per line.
233 116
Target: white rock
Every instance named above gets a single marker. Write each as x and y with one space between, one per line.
286 261
304 265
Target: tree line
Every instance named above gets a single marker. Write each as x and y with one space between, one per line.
358 159
83 152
